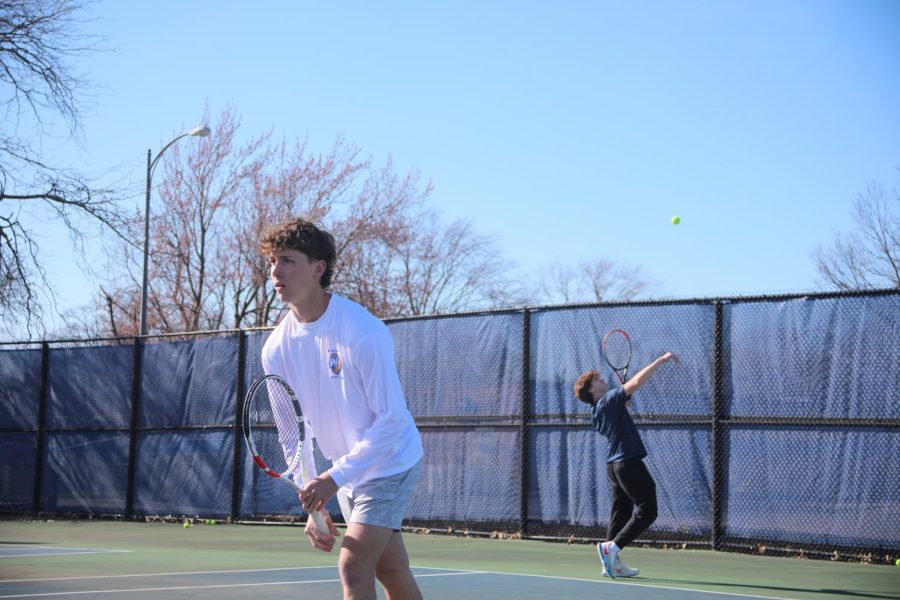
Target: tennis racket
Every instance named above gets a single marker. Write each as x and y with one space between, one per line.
617 352
274 430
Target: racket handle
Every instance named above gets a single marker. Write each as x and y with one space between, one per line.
315 515
319 520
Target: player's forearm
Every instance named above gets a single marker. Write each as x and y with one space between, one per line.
633 384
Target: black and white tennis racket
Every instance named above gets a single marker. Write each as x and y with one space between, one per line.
274 430
617 352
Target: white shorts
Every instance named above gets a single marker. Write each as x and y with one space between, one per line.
380 502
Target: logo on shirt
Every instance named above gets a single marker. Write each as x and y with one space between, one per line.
334 362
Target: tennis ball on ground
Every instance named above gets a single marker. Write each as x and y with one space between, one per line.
676 220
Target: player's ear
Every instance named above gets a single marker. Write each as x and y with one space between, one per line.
319 269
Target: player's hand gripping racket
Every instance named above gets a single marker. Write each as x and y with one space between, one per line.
274 431
617 352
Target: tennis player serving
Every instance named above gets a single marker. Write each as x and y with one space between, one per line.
339 359
633 489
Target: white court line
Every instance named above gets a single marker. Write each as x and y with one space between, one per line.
208 587
618 582
67 551
169 589
164 574
454 572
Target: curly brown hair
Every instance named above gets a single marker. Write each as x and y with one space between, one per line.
306 237
583 386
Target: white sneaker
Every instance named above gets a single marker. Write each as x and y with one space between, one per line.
622 570
609 558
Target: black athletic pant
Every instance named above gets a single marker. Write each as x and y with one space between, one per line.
633 500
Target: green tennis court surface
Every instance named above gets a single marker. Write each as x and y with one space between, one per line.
104 559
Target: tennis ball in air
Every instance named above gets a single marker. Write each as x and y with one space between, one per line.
186 524
897 562
676 220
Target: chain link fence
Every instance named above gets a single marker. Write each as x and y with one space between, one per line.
776 433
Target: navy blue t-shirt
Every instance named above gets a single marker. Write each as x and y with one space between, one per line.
611 418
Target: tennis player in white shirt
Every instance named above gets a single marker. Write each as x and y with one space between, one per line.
339 359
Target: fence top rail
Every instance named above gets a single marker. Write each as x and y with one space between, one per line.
812 295
821 295
133 338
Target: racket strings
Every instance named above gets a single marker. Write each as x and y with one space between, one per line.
276 429
617 350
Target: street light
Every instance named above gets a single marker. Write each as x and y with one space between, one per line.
199 131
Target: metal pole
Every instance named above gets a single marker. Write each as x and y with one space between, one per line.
40 436
136 391
146 251
237 438
151 164
718 432
525 479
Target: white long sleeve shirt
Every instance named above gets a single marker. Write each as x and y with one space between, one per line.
342 369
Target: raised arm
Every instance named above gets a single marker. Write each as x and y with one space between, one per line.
634 384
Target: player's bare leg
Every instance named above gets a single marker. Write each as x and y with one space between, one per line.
367 548
393 572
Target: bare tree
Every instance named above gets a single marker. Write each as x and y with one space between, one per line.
869 257
206 271
377 222
295 182
192 254
447 269
432 269
38 41
557 283
192 262
597 280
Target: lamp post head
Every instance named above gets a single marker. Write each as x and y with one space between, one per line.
200 131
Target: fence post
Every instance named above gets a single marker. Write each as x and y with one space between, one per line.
136 376
718 435
236 432
41 424
524 479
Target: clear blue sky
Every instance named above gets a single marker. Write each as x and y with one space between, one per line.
567 130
